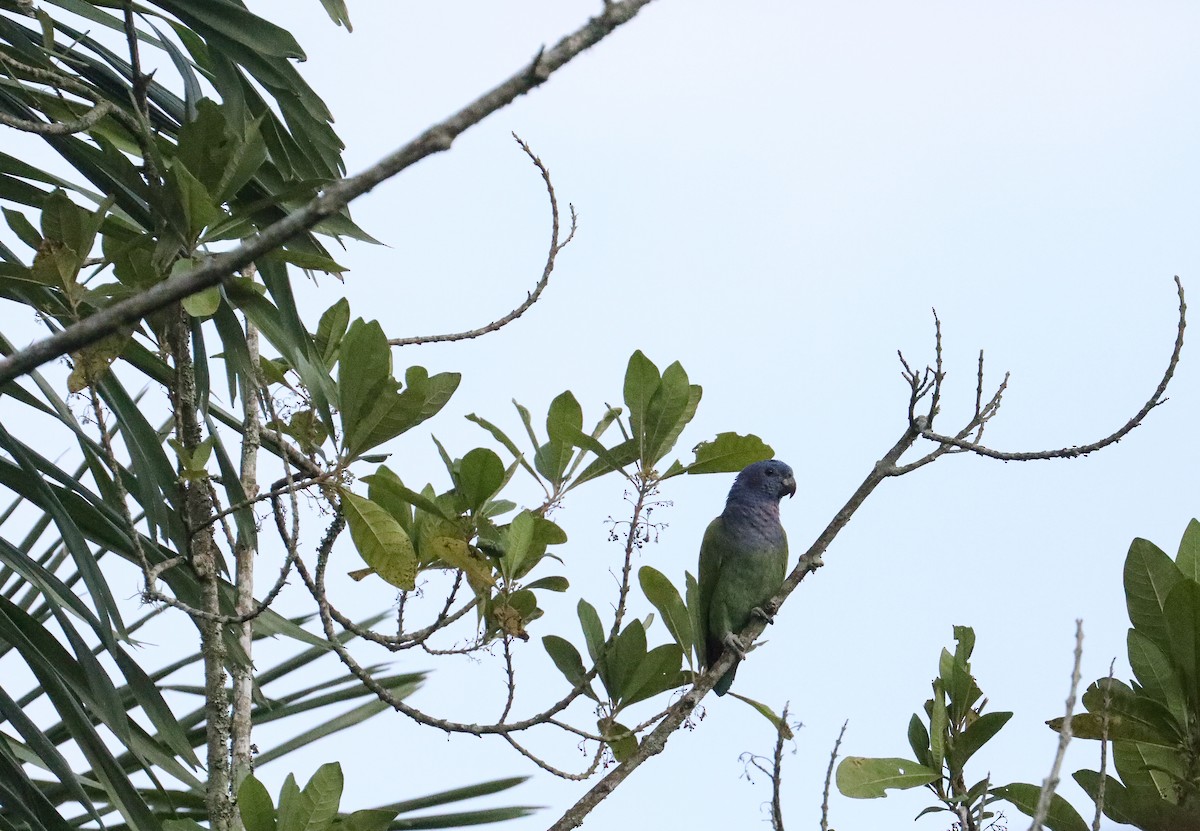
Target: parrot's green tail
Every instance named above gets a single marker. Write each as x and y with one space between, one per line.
726 681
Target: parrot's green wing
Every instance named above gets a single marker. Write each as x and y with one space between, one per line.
712 553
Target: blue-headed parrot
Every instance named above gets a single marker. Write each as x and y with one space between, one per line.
743 560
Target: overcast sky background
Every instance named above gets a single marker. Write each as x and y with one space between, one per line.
775 194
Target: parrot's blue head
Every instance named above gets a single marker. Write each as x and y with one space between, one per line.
770 479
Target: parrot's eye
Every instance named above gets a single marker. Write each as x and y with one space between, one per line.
771 471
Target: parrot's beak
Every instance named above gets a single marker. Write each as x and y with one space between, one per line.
789 487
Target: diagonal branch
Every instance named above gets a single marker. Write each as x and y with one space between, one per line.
336 196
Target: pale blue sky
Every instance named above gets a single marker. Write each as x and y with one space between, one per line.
775 194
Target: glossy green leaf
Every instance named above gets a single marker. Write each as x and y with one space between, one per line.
1136 807
1188 558
593 634
254 805
665 598
1181 613
641 382
918 739
766 712
566 657
1061 816
656 673
667 412
480 475
728 453
331 329
978 733
1156 673
1149 577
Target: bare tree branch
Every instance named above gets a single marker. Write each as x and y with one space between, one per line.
829 777
1155 400
1103 748
533 296
59 128
336 196
1064 738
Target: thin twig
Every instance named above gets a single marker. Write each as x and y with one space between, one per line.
533 296
781 732
1155 400
1103 748
1064 738
829 777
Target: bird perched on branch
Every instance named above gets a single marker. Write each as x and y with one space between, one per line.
743 559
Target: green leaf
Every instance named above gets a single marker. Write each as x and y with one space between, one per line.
696 615
566 657
517 541
1119 727
1155 672
1061 817
480 475
766 712
552 584
1149 577
608 458
23 228
593 635
306 260
388 482
938 725
564 419
1188 558
391 414
1181 612
918 739
380 540
1147 769
619 738
331 329
641 382
728 453
665 598
860 778
254 804
657 672
199 208
1137 807
961 689
623 659
203 303
315 807
364 370
667 413
1133 707
368 820
976 736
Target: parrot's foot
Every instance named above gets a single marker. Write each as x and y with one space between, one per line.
762 614
734 644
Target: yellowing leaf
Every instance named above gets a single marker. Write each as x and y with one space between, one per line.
380 540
